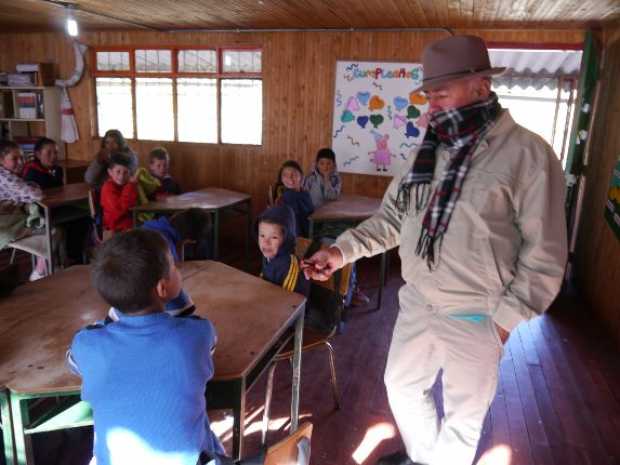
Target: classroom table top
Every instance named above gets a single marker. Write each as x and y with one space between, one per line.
347 207
39 319
69 193
210 198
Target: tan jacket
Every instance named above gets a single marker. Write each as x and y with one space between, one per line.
505 249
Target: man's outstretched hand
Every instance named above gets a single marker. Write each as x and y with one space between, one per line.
322 264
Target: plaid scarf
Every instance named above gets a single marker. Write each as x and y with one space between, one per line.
461 129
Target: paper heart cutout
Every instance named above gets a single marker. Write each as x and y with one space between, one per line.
362 121
376 120
352 104
412 112
399 121
400 103
363 97
416 98
347 116
376 103
411 131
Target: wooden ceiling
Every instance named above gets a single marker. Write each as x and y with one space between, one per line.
165 15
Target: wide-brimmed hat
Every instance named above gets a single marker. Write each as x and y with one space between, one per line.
454 58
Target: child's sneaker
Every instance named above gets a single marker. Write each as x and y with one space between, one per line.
359 298
35 276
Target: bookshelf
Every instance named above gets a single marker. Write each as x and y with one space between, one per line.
27 113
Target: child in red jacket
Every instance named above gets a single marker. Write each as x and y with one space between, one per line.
119 195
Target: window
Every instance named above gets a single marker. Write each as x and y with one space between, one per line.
185 95
547 112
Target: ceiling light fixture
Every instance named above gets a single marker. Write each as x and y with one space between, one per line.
72 25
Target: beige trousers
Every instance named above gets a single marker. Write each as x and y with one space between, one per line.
425 342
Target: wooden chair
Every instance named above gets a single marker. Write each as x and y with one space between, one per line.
293 450
338 284
35 245
96 215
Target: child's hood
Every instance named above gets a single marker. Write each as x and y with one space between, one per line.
284 216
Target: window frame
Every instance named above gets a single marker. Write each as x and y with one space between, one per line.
174 74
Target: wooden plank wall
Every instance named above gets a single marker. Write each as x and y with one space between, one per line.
298 93
598 249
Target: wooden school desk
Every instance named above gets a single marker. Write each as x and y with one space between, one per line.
212 199
38 321
352 210
62 205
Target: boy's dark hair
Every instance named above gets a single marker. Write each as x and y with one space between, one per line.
159 153
119 159
118 137
6 146
128 267
326 152
192 224
42 142
289 164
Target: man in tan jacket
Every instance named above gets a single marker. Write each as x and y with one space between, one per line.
479 219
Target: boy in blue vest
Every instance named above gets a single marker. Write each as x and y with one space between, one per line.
145 374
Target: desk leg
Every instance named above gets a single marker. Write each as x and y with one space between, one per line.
299 334
48 240
6 423
239 418
382 269
248 206
216 235
23 442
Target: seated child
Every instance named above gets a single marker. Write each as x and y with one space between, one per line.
118 195
159 167
276 240
15 197
43 170
144 375
12 187
112 142
193 225
289 192
323 183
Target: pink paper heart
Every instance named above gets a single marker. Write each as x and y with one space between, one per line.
352 104
399 121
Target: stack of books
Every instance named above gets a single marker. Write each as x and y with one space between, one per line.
27 105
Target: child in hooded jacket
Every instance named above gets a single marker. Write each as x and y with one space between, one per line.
276 240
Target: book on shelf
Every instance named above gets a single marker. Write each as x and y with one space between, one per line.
27 105
26 143
20 79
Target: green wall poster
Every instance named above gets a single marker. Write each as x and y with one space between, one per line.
612 206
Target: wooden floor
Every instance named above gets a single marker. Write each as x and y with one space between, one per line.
558 400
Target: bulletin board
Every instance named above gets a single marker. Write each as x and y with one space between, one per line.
378 121
612 204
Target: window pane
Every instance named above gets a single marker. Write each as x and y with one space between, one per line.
153 61
114 105
154 108
197 110
113 61
242 111
246 61
197 61
534 109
